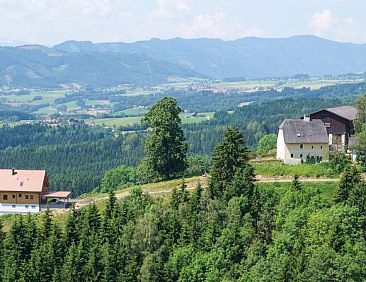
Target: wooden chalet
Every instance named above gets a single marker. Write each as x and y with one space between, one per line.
26 191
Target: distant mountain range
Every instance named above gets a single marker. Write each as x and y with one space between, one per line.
39 66
154 61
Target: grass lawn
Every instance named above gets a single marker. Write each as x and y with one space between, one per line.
277 168
115 122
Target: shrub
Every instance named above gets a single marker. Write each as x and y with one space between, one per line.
119 177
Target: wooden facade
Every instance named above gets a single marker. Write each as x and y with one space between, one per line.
26 191
20 198
335 124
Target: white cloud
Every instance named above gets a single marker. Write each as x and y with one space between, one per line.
170 8
217 25
323 21
326 25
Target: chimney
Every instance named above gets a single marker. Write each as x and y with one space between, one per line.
307 118
13 171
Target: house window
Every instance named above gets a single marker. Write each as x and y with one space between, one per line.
312 147
13 206
20 195
14 196
5 197
33 207
26 206
301 156
31 197
301 146
321 147
292 156
26 197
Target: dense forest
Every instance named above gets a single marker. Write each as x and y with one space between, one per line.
75 157
235 230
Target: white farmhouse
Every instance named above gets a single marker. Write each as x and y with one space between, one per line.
299 139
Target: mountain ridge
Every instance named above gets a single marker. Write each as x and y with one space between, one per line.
250 57
156 60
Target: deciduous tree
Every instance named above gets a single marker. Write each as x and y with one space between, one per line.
166 146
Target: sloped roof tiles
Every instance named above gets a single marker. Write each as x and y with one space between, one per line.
297 131
22 180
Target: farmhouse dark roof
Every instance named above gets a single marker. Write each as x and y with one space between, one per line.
346 112
297 131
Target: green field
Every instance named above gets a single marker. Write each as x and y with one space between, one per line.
132 120
277 168
313 83
115 122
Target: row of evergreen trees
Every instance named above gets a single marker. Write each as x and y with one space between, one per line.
232 231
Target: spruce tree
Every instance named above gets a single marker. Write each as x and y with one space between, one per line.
109 212
242 184
229 156
69 272
296 184
357 197
360 128
349 179
71 231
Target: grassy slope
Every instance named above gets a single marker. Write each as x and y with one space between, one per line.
277 168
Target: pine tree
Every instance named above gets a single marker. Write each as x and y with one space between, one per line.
296 184
69 272
242 184
109 222
108 261
92 219
360 128
229 156
46 227
357 197
71 229
349 179
2 252
110 205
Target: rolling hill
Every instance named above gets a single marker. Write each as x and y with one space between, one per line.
248 57
154 61
39 66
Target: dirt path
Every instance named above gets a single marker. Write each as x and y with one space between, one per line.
286 179
79 203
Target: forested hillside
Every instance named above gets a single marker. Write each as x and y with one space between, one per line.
235 230
76 157
39 66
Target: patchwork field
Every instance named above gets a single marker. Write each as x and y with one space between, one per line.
133 120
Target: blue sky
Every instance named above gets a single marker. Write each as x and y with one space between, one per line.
53 21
